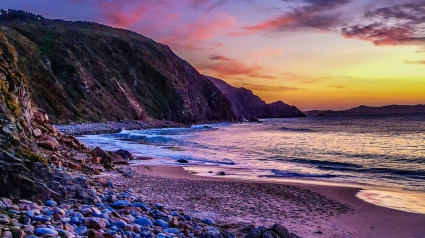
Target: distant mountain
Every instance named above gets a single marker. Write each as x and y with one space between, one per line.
81 71
247 105
390 109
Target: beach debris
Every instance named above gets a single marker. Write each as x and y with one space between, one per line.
221 173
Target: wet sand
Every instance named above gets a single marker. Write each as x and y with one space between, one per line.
309 210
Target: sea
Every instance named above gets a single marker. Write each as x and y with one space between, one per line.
378 152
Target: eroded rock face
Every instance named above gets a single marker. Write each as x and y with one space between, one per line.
28 143
93 72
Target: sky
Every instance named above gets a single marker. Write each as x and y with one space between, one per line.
315 54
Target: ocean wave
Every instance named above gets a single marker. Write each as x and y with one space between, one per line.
326 163
296 129
287 174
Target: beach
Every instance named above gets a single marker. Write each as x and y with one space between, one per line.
308 210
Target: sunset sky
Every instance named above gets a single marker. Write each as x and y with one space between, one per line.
315 54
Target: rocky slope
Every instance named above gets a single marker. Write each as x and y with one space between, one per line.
36 161
81 71
247 105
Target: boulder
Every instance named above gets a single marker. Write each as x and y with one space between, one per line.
73 166
48 142
40 116
124 154
98 152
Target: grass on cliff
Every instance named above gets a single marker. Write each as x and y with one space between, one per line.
10 101
32 156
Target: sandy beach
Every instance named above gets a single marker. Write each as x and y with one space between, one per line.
309 210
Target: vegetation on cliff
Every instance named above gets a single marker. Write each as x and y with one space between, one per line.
81 71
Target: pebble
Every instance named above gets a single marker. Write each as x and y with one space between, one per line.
209 221
42 218
123 216
81 230
161 223
43 231
51 203
120 224
143 221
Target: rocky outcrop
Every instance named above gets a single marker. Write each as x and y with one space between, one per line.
81 71
31 149
247 105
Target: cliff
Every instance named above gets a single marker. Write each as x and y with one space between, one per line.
81 71
247 105
36 161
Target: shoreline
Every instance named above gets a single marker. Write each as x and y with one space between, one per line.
314 208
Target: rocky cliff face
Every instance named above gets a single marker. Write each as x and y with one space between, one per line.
80 71
247 105
31 149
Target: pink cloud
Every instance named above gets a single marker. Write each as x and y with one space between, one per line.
230 68
195 36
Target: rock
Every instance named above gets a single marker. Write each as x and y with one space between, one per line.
209 222
183 161
226 234
110 184
44 231
161 223
51 203
253 119
256 233
282 232
270 234
98 152
97 223
161 235
139 205
40 116
171 230
81 230
120 224
124 154
120 204
81 158
42 218
48 142
221 173
187 217
96 160
137 228
117 159
37 132
7 201
4 220
143 221
30 213
75 220
73 166
7 234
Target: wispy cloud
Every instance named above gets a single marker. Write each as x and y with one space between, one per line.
219 57
229 68
399 24
336 86
422 62
316 14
